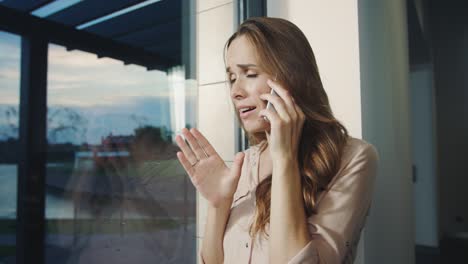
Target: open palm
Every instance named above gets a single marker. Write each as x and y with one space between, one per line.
207 171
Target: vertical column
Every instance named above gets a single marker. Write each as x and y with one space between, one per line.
32 160
389 237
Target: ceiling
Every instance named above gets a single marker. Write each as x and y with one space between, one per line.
146 33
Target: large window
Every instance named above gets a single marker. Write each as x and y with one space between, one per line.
118 92
9 122
115 189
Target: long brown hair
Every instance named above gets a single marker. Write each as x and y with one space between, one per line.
283 51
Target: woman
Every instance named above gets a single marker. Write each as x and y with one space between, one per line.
301 192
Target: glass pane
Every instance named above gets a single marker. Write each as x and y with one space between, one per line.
115 190
9 123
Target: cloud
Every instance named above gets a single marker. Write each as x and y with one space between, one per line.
8 73
78 78
9 100
10 45
59 56
80 70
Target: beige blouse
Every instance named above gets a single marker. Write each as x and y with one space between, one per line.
335 229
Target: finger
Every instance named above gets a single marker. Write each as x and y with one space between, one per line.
237 165
300 121
278 104
199 153
185 163
203 142
283 94
299 111
186 150
272 116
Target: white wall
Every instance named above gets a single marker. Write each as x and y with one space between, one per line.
361 51
332 30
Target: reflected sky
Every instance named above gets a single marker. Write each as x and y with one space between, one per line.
78 78
115 98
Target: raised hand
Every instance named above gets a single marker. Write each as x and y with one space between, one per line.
207 170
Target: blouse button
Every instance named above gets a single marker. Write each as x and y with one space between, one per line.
246 245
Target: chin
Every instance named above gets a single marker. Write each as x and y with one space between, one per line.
256 128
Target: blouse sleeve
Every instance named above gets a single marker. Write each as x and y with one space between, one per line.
341 212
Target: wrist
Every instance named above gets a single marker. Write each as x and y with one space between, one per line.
222 204
285 162
286 172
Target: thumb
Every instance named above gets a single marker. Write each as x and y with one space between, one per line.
237 165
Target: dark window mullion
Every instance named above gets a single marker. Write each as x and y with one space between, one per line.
32 160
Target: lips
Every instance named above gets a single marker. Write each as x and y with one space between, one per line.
245 111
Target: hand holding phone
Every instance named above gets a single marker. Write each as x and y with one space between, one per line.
270 105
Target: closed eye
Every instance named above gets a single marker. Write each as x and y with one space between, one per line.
231 81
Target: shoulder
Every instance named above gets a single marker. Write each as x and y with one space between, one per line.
358 150
358 162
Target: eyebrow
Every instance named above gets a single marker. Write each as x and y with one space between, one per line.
242 66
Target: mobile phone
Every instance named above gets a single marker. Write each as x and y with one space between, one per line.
270 105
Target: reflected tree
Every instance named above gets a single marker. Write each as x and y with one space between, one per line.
65 122
61 121
139 120
10 118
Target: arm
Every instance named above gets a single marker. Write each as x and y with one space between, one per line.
216 183
216 220
288 225
212 247
341 212
331 234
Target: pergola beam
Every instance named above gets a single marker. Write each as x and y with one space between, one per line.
25 24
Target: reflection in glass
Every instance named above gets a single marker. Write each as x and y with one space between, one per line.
115 190
9 124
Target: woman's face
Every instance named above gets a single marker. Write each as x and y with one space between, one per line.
247 83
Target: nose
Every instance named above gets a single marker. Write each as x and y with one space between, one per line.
237 90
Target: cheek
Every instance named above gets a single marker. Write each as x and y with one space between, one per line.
260 87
